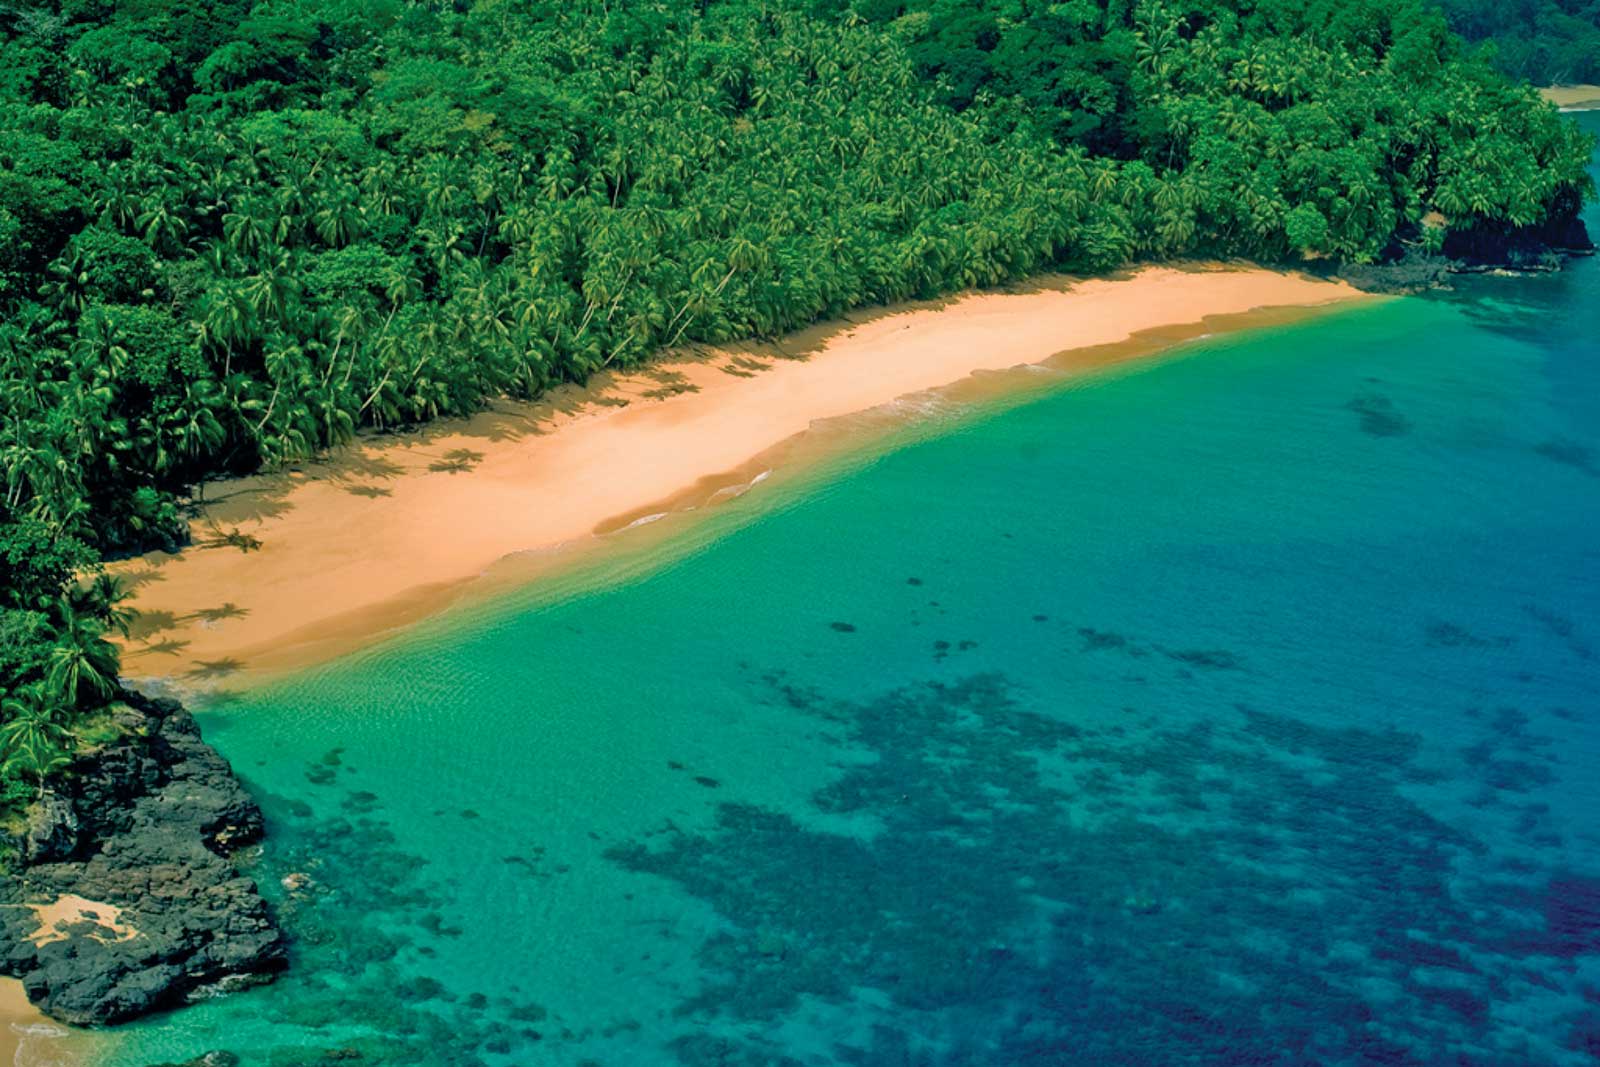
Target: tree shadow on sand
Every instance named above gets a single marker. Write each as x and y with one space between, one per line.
138 579
170 646
457 461
744 366
146 624
204 670
672 383
229 610
217 537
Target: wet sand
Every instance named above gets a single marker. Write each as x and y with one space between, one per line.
16 1014
299 567
1573 97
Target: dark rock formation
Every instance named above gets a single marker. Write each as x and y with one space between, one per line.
1410 273
52 830
1541 247
1404 268
146 825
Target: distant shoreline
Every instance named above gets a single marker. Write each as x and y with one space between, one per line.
394 529
1573 97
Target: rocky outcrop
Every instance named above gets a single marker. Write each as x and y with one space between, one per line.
135 849
1410 273
1404 268
1541 247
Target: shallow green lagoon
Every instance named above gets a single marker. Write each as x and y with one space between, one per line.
1240 708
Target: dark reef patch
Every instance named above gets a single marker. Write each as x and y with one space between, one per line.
1379 416
1096 640
1562 628
1570 454
1205 659
1134 894
1572 914
1449 635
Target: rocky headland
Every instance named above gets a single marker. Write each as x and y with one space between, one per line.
1405 267
122 894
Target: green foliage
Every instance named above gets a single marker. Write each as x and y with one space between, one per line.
1547 42
1306 228
55 662
57 667
100 265
234 234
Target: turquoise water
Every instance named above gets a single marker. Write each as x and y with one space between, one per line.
1238 708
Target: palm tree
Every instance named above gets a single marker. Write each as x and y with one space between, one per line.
193 426
81 662
162 226
105 596
244 232
32 743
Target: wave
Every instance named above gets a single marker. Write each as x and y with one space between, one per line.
646 520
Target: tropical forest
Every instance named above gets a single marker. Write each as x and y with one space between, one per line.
1548 42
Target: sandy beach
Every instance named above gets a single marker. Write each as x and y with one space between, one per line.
298 567
1573 97
15 1015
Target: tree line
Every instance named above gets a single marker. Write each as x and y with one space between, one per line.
233 234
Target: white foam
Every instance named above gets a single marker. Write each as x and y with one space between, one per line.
646 520
39 1029
731 492
924 405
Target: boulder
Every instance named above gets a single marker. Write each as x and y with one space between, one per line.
51 832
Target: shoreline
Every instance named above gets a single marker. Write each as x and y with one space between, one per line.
392 530
16 1015
1573 97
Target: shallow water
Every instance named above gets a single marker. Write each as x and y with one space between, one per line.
1242 707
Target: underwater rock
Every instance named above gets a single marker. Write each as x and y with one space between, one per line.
127 900
214 1058
1379 416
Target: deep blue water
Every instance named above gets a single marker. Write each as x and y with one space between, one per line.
1239 708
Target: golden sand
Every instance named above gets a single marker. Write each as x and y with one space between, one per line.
1573 97
69 908
298 567
19 1022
